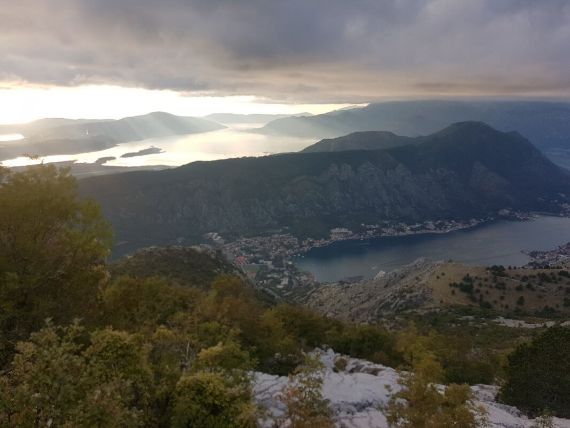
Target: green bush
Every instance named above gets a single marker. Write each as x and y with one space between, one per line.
52 251
212 400
538 374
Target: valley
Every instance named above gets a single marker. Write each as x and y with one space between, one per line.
467 171
176 141
285 214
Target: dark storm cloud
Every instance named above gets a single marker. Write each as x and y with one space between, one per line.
327 50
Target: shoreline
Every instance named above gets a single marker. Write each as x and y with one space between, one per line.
275 260
458 226
351 258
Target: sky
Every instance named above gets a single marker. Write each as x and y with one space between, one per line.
109 58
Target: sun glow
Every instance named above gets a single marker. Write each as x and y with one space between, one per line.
19 104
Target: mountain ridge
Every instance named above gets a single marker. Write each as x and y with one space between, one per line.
133 128
69 136
361 140
546 123
310 193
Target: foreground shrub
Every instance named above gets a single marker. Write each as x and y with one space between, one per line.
217 392
212 400
538 374
306 407
421 403
62 377
52 251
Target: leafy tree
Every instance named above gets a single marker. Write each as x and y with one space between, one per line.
227 356
306 325
306 407
538 374
217 392
136 303
52 251
212 400
277 350
462 360
421 403
233 302
371 342
64 377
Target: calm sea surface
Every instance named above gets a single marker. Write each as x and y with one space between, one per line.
497 243
236 140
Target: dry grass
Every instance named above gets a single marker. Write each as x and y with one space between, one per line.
540 288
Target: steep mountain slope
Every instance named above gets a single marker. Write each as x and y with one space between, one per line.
366 140
425 285
546 124
466 170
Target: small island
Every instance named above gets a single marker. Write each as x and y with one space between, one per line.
143 152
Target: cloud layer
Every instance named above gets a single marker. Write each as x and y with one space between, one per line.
298 50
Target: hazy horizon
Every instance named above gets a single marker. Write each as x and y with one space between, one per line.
111 59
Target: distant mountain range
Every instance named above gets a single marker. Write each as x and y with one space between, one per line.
65 136
366 140
546 124
38 126
466 170
62 146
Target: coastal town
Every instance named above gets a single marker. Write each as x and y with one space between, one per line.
556 258
269 259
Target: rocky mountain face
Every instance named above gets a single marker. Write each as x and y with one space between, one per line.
427 285
358 394
368 301
547 124
467 170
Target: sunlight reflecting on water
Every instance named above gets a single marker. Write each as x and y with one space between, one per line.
234 141
11 137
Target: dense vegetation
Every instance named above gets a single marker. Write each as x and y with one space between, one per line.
421 403
538 374
83 344
191 266
52 252
130 350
